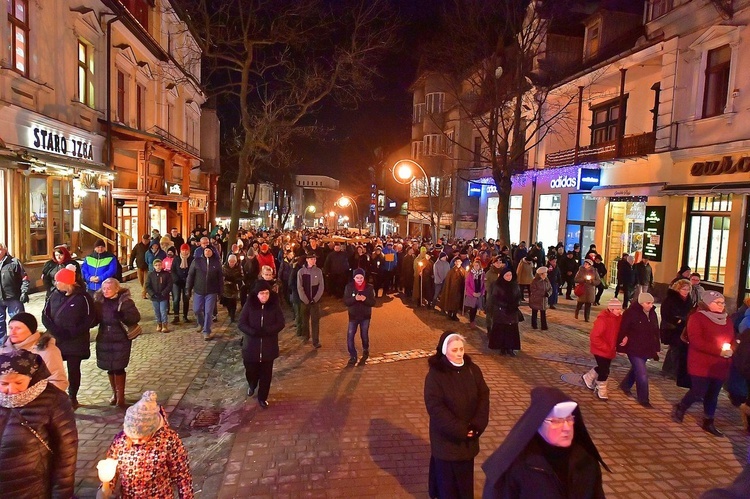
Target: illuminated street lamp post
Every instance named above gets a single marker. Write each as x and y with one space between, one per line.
404 173
345 201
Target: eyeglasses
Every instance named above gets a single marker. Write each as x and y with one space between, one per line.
557 423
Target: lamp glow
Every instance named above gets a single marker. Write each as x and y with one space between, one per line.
404 172
344 202
106 468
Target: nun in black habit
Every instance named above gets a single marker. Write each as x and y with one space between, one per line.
547 455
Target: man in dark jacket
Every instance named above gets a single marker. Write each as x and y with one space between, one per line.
261 320
620 268
205 278
176 237
644 277
14 287
359 297
336 267
138 256
310 288
568 270
602 271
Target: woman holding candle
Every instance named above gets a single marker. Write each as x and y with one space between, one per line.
38 436
588 277
151 459
473 290
710 337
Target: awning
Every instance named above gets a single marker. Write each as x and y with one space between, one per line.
741 188
625 191
39 158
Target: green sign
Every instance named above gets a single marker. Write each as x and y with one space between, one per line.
653 232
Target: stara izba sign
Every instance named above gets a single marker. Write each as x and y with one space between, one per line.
723 166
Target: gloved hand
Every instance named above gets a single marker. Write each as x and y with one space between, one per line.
24 298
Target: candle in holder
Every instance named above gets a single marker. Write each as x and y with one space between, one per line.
106 468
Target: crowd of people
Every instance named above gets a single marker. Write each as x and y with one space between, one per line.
264 272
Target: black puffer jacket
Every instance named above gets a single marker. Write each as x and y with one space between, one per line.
68 319
205 276
457 400
359 310
674 313
112 343
159 285
506 296
261 324
641 330
27 469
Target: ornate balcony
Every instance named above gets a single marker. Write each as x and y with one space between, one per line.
632 146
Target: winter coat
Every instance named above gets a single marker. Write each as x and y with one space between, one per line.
52 267
625 275
261 323
705 340
452 294
68 319
674 313
180 275
540 291
470 288
568 268
457 400
407 271
13 279
641 330
424 260
138 255
44 345
359 310
160 254
589 285
232 281
27 469
506 296
292 282
440 271
604 334
204 276
112 343
525 272
310 285
337 263
266 259
390 257
102 265
159 285
644 275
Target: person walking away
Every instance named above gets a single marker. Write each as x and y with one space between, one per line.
23 335
553 274
407 272
626 277
587 277
60 259
158 288
336 267
151 459
115 311
204 277
310 287
506 297
568 269
490 278
359 297
180 271
68 315
644 277
603 346
540 290
38 437
376 270
602 271
98 267
548 453
232 273
474 288
458 403
261 320
639 339
525 273
451 297
620 269
710 338
14 287
674 313
138 257
294 293
439 273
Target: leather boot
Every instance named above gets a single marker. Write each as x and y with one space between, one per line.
113 398
120 387
678 413
708 425
165 327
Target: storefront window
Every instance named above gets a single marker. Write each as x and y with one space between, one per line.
708 236
490 229
159 219
49 215
38 216
516 203
548 224
127 222
581 207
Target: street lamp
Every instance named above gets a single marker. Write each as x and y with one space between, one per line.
404 173
311 208
345 201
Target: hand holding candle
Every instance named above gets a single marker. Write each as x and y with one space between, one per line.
106 468
726 350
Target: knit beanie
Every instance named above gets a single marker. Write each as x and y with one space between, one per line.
185 247
614 303
707 297
358 272
645 297
27 319
65 276
99 242
144 417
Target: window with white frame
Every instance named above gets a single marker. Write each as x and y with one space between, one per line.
418 115
449 142
716 89
416 149
714 82
18 16
122 96
85 73
433 144
435 102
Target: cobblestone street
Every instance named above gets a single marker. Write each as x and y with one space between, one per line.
338 431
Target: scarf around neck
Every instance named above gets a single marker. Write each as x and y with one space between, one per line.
23 398
719 318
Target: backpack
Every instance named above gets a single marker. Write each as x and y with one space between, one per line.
741 356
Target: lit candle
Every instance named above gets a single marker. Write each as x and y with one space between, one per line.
106 468
726 346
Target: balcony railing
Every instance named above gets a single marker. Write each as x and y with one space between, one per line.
633 145
171 139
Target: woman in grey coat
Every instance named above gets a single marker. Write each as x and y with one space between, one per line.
589 278
541 288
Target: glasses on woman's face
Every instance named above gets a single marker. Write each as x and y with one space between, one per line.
557 423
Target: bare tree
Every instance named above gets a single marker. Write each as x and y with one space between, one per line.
488 59
282 59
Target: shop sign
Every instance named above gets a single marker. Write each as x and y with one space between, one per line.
563 182
725 165
475 190
588 178
55 141
173 189
468 217
653 231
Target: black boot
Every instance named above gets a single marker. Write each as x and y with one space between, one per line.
708 425
678 413
176 319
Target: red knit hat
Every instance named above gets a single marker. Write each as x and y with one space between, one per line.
65 276
185 247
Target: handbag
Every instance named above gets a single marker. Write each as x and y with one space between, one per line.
579 290
133 331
